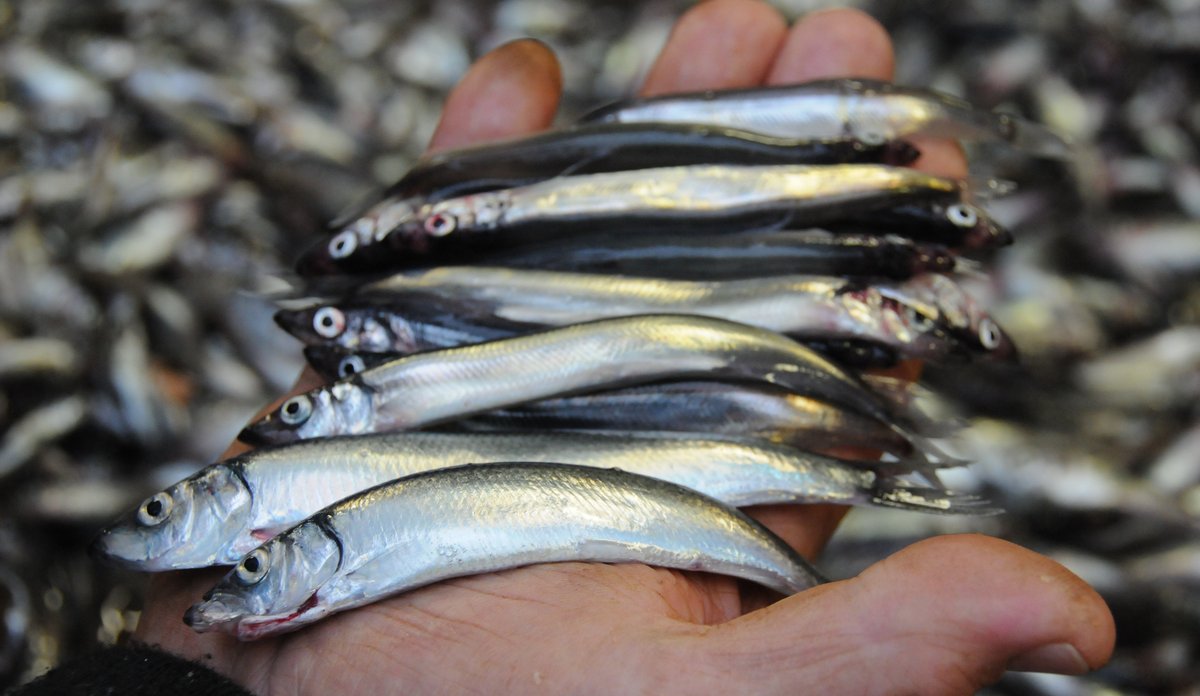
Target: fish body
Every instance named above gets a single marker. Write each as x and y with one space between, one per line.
723 198
479 519
725 410
928 317
732 257
358 245
439 386
283 485
868 110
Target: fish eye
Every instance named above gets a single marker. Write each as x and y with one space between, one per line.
962 215
155 510
343 244
253 568
919 321
871 138
351 365
989 334
439 224
295 410
329 322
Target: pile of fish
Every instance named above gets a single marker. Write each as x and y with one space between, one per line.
165 159
353 512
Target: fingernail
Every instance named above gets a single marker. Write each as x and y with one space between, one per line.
1056 658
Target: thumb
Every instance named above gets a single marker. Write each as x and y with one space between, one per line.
944 616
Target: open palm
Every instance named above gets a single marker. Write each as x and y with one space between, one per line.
942 617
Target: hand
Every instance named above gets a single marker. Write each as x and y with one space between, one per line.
944 616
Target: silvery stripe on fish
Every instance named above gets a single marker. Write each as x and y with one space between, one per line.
223 512
438 386
869 110
928 317
689 196
479 519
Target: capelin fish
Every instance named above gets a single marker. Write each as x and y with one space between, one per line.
721 198
223 512
439 386
596 148
928 317
732 257
868 110
410 533
702 407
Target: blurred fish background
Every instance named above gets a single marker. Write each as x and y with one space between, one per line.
163 162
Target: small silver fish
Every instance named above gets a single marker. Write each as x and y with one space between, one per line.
929 316
438 386
479 519
223 512
693 196
869 110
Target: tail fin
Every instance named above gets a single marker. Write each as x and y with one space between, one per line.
890 492
934 456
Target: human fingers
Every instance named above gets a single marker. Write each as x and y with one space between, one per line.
944 616
834 43
718 44
513 90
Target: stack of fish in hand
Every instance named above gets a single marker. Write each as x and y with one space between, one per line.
603 339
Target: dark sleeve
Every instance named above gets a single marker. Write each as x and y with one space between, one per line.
131 670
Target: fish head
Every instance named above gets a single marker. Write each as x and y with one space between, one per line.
978 229
335 363
189 525
317 325
276 587
360 245
961 316
344 408
352 327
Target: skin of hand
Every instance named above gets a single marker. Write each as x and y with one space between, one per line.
943 616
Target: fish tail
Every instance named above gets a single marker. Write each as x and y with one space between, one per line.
1034 138
890 492
934 455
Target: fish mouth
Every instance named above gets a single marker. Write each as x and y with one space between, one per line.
298 323
315 261
213 613
260 626
110 548
261 434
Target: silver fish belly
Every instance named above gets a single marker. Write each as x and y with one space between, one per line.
479 519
